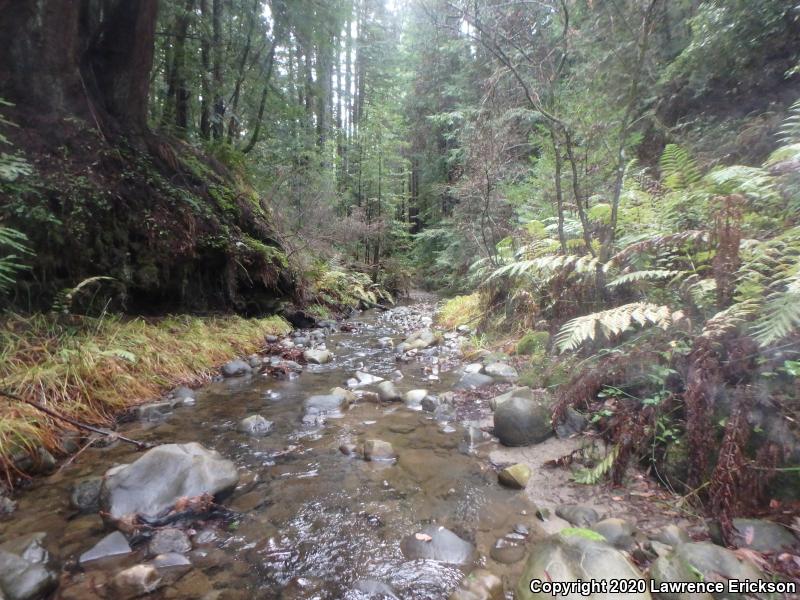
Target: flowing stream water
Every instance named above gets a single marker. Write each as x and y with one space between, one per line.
312 521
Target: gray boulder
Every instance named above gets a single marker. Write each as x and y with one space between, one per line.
575 554
578 514
255 425
760 535
474 381
388 392
522 421
517 392
420 339
318 357
702 561
435 542
672 535
502 371
618 532
151 485
235 368
155 411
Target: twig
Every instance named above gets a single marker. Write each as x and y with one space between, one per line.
71 421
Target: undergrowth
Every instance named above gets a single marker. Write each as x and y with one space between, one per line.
91 368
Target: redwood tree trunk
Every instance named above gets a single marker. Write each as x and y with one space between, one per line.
75 58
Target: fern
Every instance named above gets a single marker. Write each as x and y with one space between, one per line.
611 322
780 315
596 473
643 276
678 169
9 265
753 183
63 301
658 243
790 131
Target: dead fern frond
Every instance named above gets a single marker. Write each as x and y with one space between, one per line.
611 323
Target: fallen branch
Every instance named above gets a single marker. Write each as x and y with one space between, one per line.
48 411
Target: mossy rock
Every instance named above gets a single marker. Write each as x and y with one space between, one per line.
533 342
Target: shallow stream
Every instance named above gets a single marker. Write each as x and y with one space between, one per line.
313 522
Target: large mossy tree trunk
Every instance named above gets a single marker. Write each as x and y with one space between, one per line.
87 58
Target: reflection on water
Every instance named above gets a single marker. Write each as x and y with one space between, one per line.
315 523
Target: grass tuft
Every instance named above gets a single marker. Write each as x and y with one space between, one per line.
460 310
91 369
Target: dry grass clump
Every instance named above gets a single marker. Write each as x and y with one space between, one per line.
460 310
90 369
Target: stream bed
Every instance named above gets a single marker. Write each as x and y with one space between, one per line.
310 520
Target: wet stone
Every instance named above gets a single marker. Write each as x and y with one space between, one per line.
501 371
672 535
235 368
378 450
473 381
256 426
520 422
515 477
618 532
578 515
114 544
508 550
388 392
85 495
22 579
135 581
169 540
435 542
374 588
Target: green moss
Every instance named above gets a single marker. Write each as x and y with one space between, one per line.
271 254
533 342
584 533
224 198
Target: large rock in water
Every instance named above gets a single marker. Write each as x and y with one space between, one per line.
702 561
318 357
23 571
435 542
474 381
575 554
235 368
502 371
151 485
522 421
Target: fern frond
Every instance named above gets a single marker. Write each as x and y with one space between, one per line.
678 169
642 276
658 242
752 182
780 315
611 322
790 131
596 473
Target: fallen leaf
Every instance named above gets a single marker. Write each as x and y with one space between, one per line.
423 537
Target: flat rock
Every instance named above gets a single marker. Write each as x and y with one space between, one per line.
346 395
255 425
235 368
153 483
502 371
169 540
515 477
517 392
114 544
363 378
474 381
324 404
578 514
762 536
435 542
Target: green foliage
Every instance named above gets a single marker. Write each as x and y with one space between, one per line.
533 342
611 323
600 470
12 241
678 169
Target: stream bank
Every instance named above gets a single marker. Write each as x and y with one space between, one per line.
386 487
